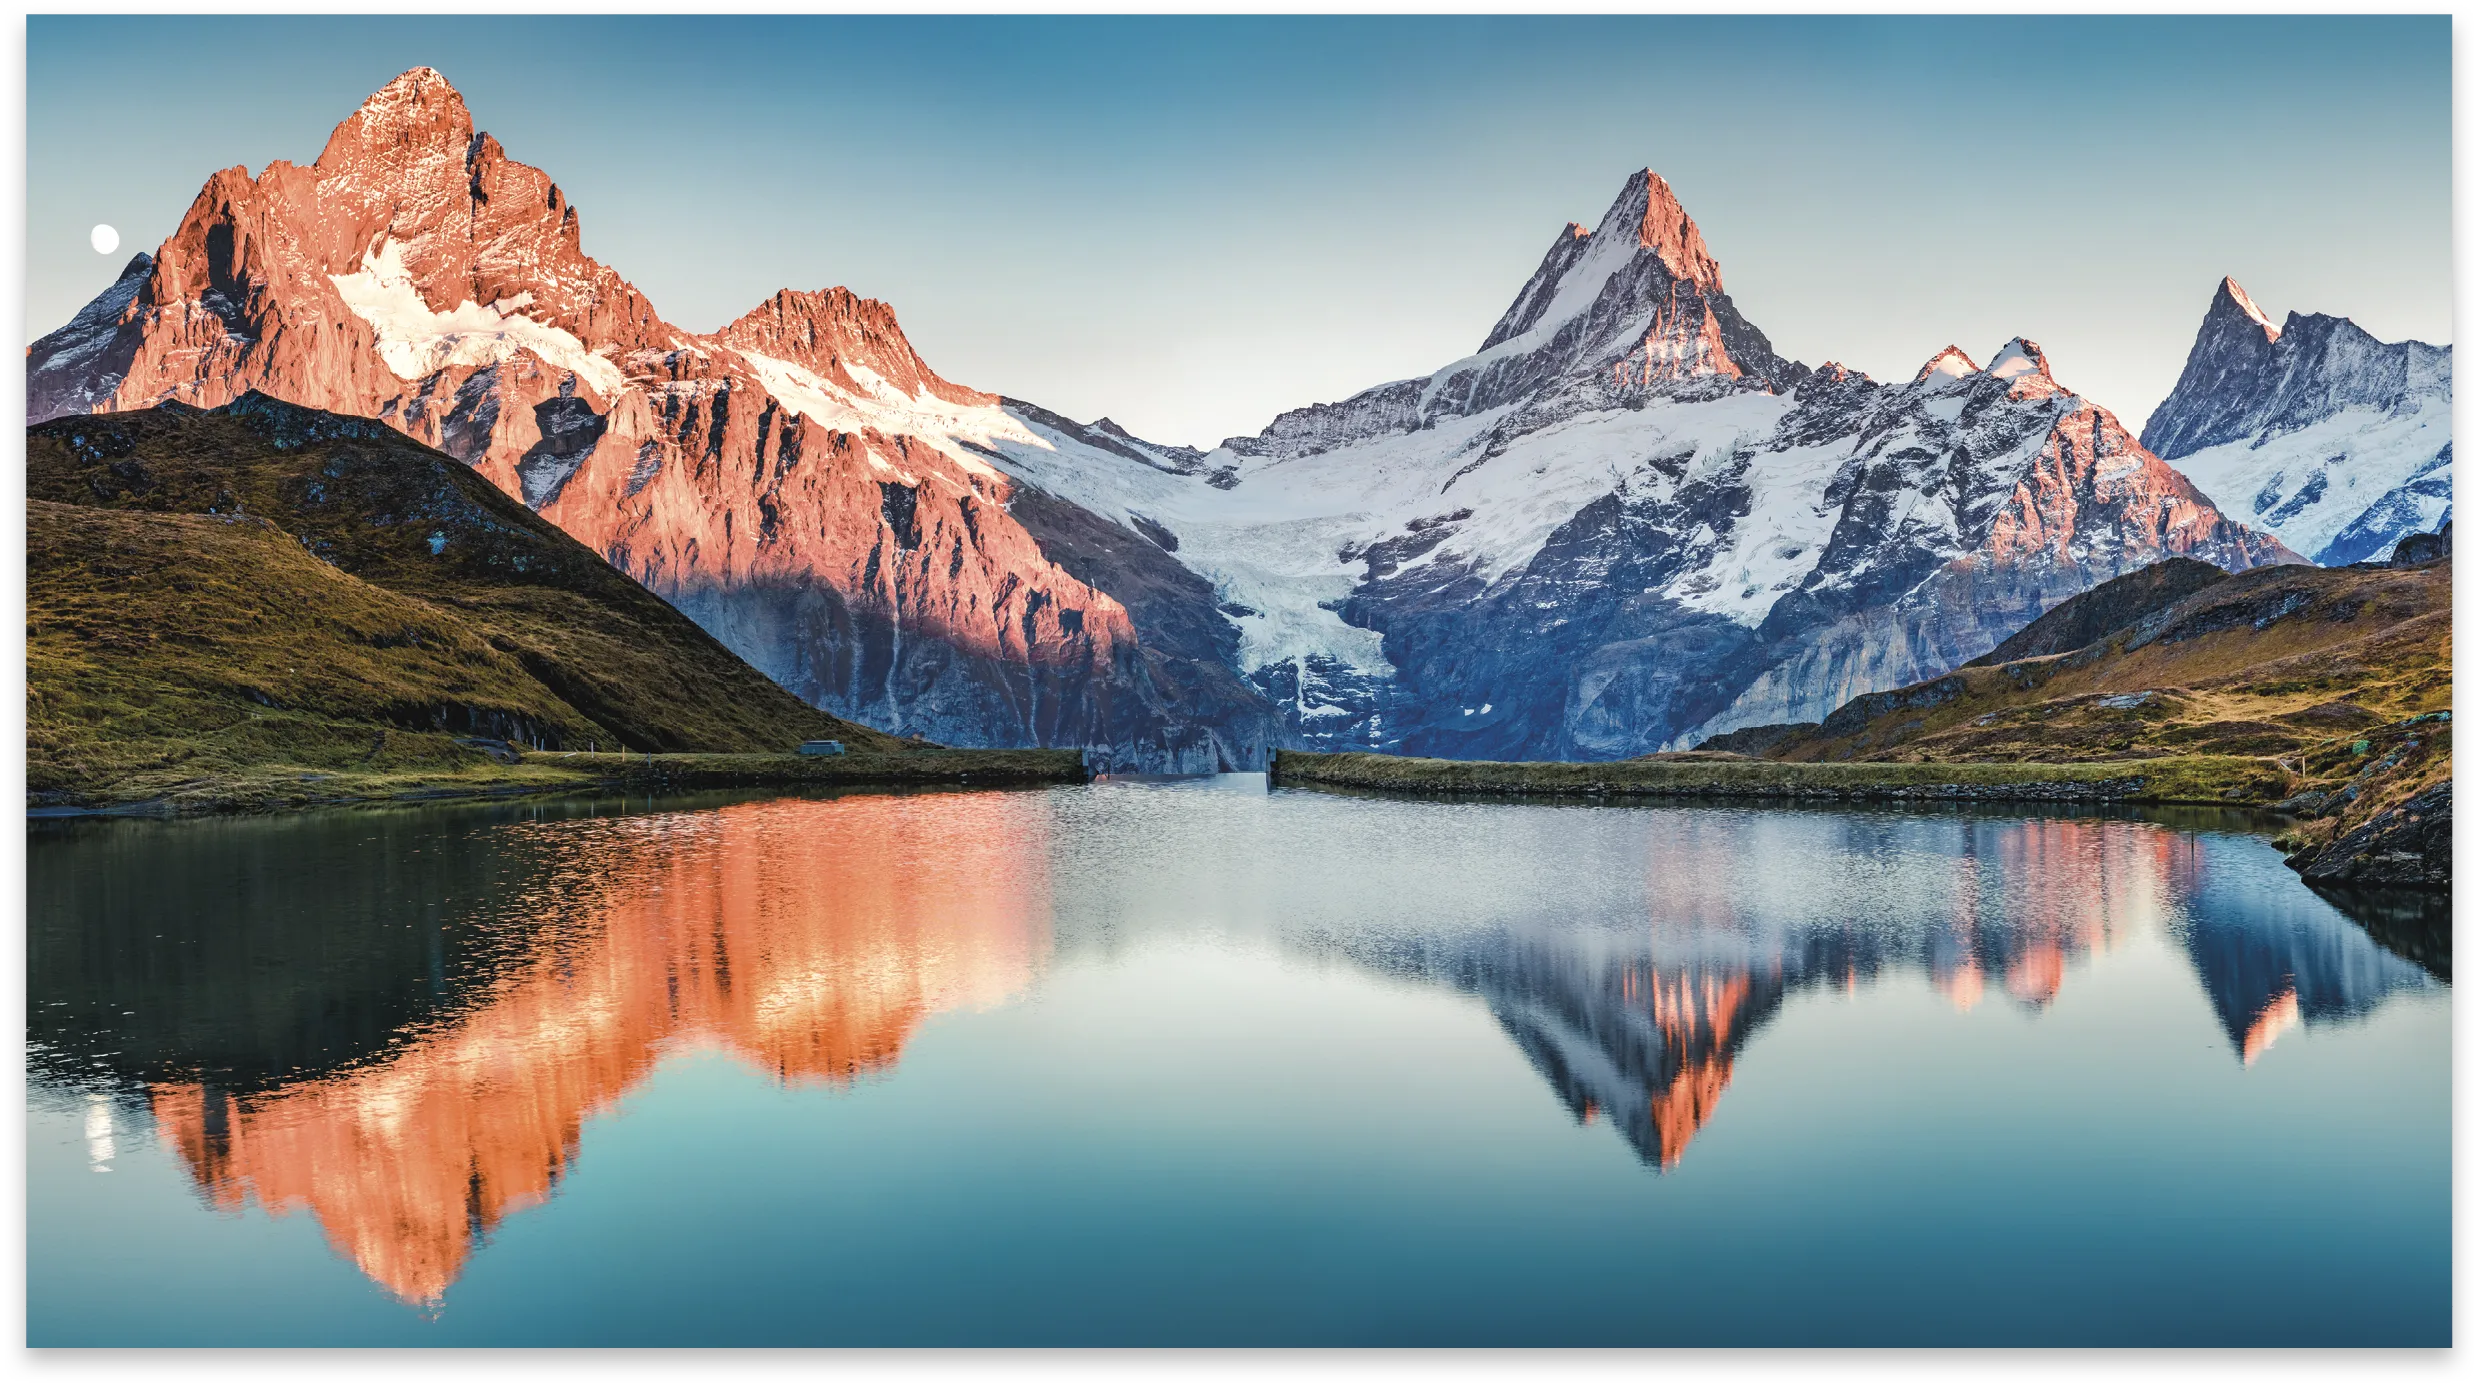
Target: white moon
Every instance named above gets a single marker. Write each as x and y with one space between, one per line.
106 240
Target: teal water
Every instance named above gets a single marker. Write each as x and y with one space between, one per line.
1195 1062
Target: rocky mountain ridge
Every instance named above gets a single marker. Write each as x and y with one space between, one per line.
1602 534
2313 429
801 483
1625 522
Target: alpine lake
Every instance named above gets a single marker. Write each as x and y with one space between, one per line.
1192 1061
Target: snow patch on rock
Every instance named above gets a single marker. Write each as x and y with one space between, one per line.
416 341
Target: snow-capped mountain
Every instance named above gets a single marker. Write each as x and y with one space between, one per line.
800 483
2314 430
1624 523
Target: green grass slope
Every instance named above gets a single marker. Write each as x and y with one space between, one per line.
235 603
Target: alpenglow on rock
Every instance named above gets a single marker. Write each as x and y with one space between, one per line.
2338 443
800 483
1623 523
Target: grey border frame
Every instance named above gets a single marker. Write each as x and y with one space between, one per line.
18 1362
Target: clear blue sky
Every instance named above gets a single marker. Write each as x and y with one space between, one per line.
1192 224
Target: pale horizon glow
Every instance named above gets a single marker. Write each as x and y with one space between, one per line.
1190 225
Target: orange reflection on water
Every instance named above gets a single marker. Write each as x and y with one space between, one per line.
2020 907
810 938
1964 985
2277 1016
2079 888
1681 1109
1698 1011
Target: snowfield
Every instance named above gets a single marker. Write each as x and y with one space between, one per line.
2311 486
417 341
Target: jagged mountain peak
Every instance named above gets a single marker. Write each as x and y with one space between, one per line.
2020 357
419 109
816 311
412 84
1632 309
1580 265
2231 298
1649 208
2315 429
1952 363
841 337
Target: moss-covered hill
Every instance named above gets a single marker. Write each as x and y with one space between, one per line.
221 600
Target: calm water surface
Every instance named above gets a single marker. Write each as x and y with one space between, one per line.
1191 1062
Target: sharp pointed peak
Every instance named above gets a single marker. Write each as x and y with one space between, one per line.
419 107
1648 213
412 90
414 79
2021 356
2231 297
1952 363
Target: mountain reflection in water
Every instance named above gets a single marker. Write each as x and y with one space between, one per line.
1645 1031
407 1040
810 940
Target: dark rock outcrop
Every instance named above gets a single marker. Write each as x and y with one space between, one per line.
2407 844
1755 741
2107 608
2423 548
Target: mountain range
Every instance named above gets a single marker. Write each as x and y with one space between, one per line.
1624 523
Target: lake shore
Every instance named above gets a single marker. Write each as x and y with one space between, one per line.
533 773
2224 781
2402 845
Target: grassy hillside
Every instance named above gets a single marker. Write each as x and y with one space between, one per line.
236 603
2266 662
2341 678
2320 692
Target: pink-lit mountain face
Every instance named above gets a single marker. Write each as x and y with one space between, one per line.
1624 522
801 483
